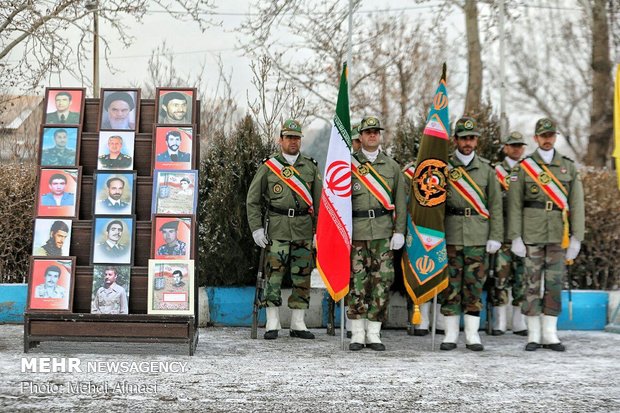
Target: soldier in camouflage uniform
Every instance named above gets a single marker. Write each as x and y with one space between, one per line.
173 246
474 225
377 231
291 222
539 227
509 267
59 154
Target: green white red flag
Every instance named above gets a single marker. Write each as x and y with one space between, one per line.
335 223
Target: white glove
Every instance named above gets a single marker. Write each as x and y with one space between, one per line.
518 247
493 246
573 248
260 238
397 241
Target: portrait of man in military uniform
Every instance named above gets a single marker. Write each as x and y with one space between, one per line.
52 237
171 237
114 193
63 106
110 289
170 287
59 146
173 147
50 284
116 150
113 240
174 192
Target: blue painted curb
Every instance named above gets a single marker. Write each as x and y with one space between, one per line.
232 306
589 310
13 303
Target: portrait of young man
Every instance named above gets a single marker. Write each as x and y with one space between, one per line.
171 238
110 289
174 147
175 106
113 240
114 193
52 237
50 284
64 106
59 146
58 192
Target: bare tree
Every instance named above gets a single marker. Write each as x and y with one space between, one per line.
36 37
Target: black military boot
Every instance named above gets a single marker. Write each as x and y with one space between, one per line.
555 347
532 346
302 334
271 335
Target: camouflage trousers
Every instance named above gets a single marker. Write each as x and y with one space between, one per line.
549 259
466 280
508 274
372 274
280 257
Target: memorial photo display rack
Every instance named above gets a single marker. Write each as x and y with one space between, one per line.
78 324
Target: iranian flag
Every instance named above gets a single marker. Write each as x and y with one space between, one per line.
334 227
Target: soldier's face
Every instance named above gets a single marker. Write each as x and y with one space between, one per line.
546 141
59 238
58 186
184 185
176 109
177 278
173 142
118 110
115 233
51 278
115 145
466 144
514 152
170 235
116 189
61 139
62 103
290 144
110 277
370 139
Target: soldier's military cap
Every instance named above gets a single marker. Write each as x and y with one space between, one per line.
291 127
515 138
544 125
370 122
170 225
466 126
355 133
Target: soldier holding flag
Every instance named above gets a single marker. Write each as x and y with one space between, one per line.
474 225
546 223
379 221
290 186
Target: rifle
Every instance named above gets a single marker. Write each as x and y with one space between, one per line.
491 284
570 289
261 281
331 315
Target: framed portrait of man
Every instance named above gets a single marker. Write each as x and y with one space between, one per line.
119 109
113 240
171 287
116 150
59 146
175 106
171 237
110 293
52 237
58 192
173 147
64 106
175 192
114 193
50 285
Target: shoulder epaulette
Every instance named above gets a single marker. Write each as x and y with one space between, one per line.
310 158
568 159
485 160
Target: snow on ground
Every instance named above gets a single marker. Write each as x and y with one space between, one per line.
230 372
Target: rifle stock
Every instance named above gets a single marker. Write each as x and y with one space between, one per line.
331 315
491 283
260 288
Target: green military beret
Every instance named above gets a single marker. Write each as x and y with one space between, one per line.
170 225
291 127
544 125
466 126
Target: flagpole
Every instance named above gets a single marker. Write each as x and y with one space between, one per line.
433 327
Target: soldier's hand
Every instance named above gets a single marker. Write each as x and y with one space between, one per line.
518 247
260 238
493 246
573 248
397 241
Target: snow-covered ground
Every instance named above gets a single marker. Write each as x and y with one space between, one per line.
230 372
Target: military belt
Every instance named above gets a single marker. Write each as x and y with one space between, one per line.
547 206
371 213
461 211
289 212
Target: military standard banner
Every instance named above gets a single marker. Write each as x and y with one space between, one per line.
425 259
334 227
